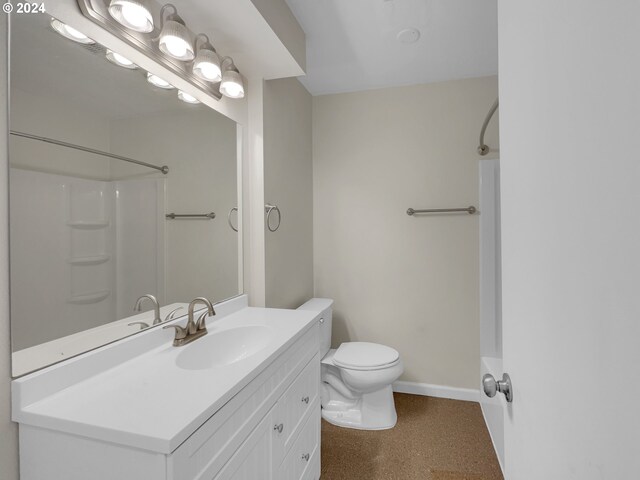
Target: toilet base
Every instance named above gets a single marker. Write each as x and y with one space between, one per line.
372 411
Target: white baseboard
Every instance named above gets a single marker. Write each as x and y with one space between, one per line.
440 391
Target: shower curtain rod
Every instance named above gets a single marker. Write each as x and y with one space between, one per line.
482 148
164 169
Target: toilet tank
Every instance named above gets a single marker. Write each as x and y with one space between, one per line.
323 309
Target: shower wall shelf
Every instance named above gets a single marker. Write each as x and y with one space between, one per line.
93 260
88 298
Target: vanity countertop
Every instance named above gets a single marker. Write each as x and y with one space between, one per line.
148 401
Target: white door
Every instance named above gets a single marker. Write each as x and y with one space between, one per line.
570 173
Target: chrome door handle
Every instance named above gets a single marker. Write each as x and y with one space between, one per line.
279 427
305 400
305 457
491 386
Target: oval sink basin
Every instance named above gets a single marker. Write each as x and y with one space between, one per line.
225 347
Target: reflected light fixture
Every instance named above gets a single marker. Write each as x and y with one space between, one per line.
120 60
159 82
175 40
70 32
185 97
231 85
207 63
133 14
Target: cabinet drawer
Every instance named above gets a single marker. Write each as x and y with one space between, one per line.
294 405
206 451
303 460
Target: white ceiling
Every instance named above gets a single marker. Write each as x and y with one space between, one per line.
352 44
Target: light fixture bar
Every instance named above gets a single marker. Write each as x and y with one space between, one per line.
97 12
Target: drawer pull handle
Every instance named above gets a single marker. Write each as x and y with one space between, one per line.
305 457
279 427
305 400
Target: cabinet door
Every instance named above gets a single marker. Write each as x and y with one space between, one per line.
254 458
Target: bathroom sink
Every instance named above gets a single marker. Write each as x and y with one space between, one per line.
224 347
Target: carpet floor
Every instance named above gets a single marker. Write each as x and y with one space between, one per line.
434 439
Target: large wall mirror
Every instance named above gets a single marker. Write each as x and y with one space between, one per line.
90 232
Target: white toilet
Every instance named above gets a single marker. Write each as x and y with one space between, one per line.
356 377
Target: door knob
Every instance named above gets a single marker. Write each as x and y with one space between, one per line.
491 386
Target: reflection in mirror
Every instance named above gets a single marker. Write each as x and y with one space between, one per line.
90 231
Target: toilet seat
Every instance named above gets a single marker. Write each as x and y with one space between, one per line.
365 356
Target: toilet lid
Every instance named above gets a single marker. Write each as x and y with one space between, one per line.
364 355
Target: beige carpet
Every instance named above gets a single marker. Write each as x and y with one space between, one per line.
435 439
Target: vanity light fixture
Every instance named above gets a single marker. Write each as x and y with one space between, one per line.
133 14
158 81
70 32
175 40
185 97
231 85
207 63
159 32
120 60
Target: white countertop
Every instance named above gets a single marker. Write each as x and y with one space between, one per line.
147 401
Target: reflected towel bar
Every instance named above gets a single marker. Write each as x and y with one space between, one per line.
164 169
173 216
470 210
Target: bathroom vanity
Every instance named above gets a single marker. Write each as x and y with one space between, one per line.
241 402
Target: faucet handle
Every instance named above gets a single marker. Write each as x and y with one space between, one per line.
201 324
172 314
143 325
181 332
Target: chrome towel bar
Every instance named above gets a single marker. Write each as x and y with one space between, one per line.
173 216
470 210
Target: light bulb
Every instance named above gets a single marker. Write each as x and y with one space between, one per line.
70 32
175 40
207 66
133 14
175 46
231 85
232 89
120 60
185 97
158 82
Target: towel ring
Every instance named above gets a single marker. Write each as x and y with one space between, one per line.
269 209
229 219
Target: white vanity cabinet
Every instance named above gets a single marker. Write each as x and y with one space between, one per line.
270 429
251 435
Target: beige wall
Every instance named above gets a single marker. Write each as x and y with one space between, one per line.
408 282
288 184
8 430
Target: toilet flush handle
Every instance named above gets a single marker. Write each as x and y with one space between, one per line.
322 320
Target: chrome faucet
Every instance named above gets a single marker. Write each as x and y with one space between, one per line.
156 307
193 329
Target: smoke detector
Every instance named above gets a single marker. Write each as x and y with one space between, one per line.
408 35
